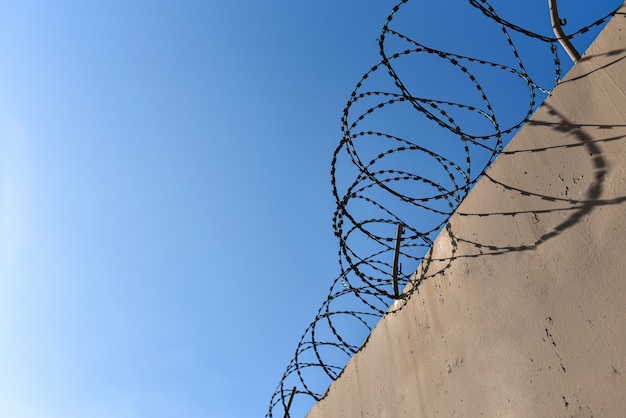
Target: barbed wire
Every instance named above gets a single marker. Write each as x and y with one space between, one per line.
406 172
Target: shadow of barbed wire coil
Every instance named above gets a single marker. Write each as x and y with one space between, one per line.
411 150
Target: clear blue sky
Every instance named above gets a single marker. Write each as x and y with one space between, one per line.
165 200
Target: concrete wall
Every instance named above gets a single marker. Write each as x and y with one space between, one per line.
525 316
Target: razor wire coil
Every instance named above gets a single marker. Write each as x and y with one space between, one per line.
393 182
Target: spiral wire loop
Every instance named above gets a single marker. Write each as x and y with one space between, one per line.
410 152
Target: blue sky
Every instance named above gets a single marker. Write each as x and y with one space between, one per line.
165 200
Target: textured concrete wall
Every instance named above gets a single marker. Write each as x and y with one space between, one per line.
525 316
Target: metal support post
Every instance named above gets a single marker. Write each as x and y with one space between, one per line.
558 31
293 392
396 256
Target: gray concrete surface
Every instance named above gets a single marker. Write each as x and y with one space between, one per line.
523 310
